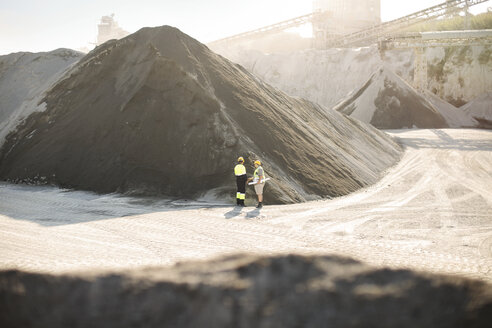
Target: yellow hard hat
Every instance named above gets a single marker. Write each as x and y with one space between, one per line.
240 159
257 162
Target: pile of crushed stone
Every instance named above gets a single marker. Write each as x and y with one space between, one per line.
480 109
246 291
388 102
24 77
455 117
158 113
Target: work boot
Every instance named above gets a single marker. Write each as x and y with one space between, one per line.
242 203
259 205
238 202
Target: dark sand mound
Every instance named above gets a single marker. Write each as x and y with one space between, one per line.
480 109
388 102
455 117
24 77
158 112
246 291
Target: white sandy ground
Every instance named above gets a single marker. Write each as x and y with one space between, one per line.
431 212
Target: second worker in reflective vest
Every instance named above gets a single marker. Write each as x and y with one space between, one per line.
241 178
259 182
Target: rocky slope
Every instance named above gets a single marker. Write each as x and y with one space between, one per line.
246 291
457 75
388 102
24 77
158 112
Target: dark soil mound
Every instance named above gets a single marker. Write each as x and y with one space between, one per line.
158 112
388 102
244 291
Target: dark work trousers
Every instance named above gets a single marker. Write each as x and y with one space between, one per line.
241 189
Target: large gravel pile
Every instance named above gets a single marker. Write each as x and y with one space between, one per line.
388 102
24 77
480 109
455 117
158 113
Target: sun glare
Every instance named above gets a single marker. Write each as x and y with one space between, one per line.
305 31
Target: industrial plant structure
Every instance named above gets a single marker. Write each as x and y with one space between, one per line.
339 17
352 23
108 29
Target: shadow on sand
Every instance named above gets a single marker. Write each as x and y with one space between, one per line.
236 211
254 213
446 141
52 206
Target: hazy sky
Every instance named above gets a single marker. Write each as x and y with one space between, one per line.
44 25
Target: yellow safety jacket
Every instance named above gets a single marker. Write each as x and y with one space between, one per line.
239 170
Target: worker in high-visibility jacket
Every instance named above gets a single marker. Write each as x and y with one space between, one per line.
241 178
259 182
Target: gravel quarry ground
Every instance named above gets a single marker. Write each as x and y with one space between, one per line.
432 212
